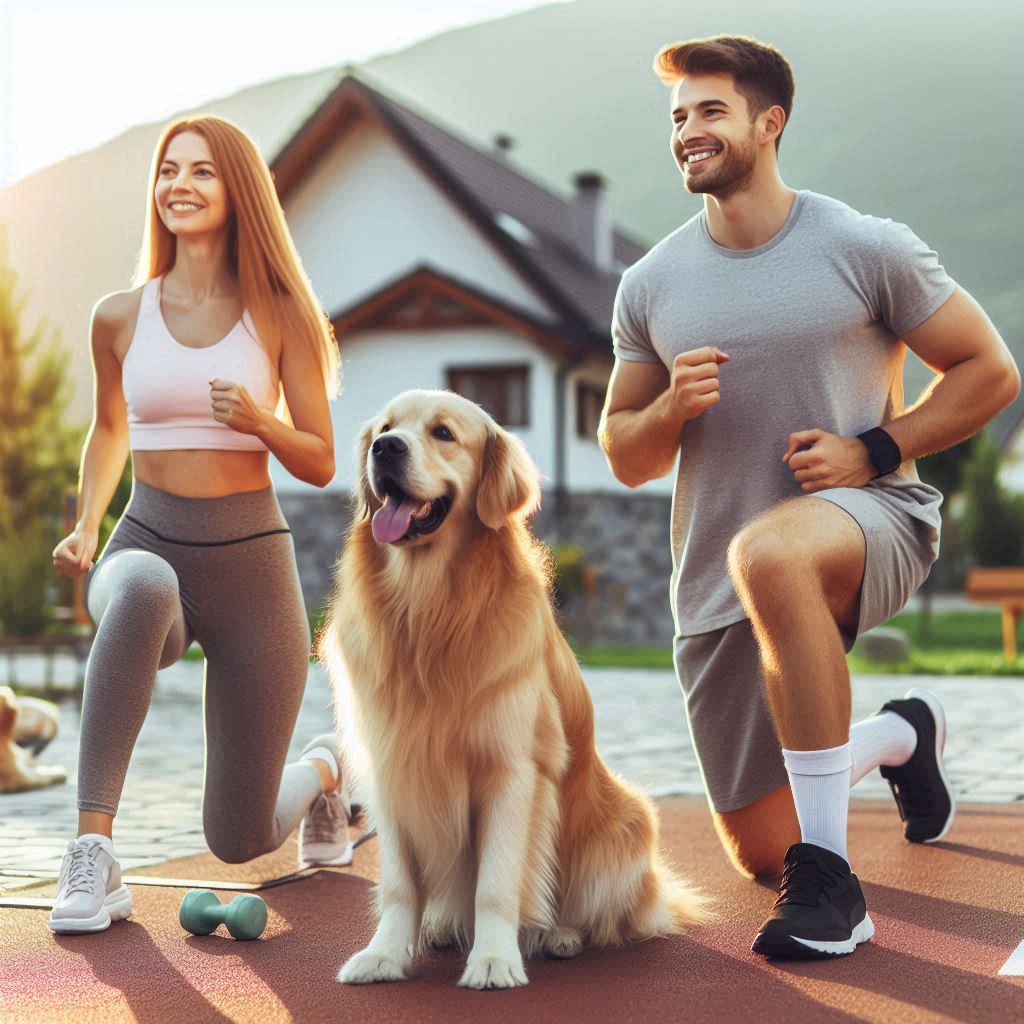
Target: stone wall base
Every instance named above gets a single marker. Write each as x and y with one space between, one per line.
624 538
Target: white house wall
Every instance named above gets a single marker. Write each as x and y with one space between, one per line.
377 365
366 214
586 467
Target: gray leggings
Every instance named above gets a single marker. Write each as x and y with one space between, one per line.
222 571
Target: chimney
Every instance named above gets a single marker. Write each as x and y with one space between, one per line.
592 222
503 145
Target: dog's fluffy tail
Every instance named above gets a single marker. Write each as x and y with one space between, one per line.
674 906
686 904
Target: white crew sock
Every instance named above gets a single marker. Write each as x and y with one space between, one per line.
884 739
105 841
323 754
820 780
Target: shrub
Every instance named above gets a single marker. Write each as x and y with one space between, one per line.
993 527
38 462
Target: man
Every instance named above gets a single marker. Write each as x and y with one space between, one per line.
763 342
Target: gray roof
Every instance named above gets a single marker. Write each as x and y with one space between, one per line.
497 195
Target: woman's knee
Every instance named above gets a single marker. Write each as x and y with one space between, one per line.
235 847
141 582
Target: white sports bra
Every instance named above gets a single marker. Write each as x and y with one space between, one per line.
167 384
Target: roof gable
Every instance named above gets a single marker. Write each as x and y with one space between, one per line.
526 222
427 299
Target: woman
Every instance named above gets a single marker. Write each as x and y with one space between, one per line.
189 370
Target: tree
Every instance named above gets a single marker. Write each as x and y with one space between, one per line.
38 460
943 470
993 528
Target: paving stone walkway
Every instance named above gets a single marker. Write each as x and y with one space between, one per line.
641 729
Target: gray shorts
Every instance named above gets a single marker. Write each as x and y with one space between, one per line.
737 748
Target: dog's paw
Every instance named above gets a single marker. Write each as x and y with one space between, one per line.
368 967
493 972
49 774
563 943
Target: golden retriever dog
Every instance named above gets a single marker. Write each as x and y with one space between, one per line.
27 724
500 827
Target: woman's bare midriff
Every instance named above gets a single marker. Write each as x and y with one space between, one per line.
202 473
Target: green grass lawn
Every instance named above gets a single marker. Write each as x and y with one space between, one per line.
953 643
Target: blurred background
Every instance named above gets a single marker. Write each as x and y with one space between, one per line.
466 183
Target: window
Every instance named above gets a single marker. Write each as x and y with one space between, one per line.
504 391
589 403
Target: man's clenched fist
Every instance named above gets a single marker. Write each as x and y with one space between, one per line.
820 460
695 384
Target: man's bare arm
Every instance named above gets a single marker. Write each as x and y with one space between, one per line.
646 408
977 378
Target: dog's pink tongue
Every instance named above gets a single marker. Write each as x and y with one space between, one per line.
391 520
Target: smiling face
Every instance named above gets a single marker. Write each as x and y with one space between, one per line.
714 138
190 195
436 465
422 459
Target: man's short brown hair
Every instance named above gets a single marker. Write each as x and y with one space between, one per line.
761 74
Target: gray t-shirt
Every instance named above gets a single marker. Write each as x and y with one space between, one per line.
812 320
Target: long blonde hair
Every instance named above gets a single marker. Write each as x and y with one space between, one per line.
274 286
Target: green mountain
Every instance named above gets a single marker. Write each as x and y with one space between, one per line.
903 109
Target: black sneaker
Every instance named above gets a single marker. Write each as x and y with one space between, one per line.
920 787
820 911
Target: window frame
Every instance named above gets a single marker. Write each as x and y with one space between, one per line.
497 372
598 392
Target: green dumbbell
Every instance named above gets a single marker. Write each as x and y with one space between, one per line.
201 912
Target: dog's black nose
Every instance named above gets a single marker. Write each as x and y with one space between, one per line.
389 446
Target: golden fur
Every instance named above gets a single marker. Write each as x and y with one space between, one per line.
25 722
500 826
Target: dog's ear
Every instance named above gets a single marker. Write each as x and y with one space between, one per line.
363 498
8 712
509 481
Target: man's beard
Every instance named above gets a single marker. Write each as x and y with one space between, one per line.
734 170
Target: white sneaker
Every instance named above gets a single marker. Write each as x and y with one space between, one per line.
323 834
90 893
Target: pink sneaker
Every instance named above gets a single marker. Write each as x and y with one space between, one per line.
323 834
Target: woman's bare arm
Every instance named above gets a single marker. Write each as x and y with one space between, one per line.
305 449
106 446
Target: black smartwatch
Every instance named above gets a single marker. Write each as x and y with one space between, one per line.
883 451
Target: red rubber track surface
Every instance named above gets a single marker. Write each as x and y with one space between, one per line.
947 917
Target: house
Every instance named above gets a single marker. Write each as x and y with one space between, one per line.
443 266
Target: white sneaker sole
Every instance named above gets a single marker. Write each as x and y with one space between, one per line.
940 742
863 932
116 907
327 854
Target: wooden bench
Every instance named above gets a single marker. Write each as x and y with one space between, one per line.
1003 586
47 646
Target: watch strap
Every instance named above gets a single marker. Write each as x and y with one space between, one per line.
883 451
